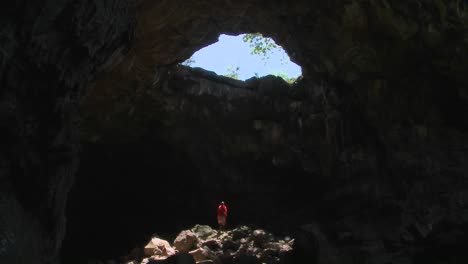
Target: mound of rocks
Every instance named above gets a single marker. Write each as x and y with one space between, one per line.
205 245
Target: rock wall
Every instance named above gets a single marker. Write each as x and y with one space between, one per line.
49 51
376 124
300 159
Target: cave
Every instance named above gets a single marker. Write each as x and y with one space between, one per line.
245 56
107 139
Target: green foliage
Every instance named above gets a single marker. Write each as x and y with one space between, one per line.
285 77
189 62
263 46
232 72
260 45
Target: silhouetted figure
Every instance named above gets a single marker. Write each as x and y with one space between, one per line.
222 214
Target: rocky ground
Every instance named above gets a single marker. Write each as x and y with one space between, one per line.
202 244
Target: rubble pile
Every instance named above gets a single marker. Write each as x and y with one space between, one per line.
205 245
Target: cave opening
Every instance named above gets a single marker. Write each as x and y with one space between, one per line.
244 56
374 124
158 157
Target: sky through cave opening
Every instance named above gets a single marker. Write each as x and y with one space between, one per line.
245 56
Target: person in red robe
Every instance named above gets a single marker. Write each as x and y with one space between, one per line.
222 214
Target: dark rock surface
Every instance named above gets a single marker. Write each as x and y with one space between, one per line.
258 144
49 51
365 157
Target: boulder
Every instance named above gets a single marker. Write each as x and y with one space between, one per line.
185 241
204 232
212 244
259 236
200 254
240 232
230 244
159 248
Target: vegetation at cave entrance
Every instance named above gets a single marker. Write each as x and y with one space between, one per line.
245 56
260 45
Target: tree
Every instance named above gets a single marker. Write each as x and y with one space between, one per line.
232 72
262 46
285 77
189 62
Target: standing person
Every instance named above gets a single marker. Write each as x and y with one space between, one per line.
222 214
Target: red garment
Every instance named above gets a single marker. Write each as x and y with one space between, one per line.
222 213
222 210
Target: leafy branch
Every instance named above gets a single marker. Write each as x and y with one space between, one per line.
232 72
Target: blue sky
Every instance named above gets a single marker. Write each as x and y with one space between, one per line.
233 51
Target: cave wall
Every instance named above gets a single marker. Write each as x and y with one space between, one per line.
298 159
50 50
372 123
108 215
383 138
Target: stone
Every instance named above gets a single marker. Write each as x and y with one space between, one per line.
259 236
185 241
212 244
240 232
158 248
204 232
200 254
208 261
230 244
